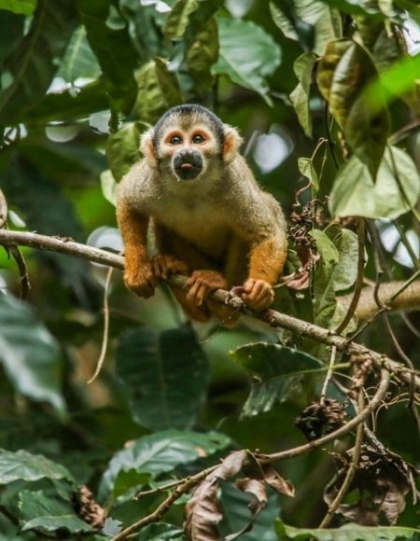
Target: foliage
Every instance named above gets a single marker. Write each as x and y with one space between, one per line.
327 94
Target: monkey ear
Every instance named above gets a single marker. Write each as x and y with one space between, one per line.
147 147
232 143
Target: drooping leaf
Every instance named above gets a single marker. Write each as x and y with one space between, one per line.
161 453
345 272
47 514
30 68
178 18
25 466
343 75
395 192
79 60
113 49
349 532
303 68
279 373
306 167
165 374
247 55
30 354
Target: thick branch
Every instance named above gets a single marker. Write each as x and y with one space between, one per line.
274 319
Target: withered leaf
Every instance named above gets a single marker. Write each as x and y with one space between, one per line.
276 481
202 512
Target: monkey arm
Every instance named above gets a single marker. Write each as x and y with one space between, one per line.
138 275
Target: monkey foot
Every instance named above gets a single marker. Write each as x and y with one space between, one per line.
201 283
165 265
257 294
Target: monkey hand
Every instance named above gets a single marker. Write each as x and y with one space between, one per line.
141 279
257 294
201 283
165 265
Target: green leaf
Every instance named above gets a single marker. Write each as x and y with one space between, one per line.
396 191
278 374
109 187
47 514
203 53
343 75
349 532
160 532
325 303
306 167
161 453
113 49
345 271
165 374
247 55
178 18
25 466
158 90
32 64
122 149
303 68
30 355
79 60
25 7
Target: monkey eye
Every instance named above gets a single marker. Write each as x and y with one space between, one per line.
175 140
198 138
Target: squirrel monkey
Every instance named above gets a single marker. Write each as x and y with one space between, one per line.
210 218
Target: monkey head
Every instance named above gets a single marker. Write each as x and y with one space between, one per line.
190 142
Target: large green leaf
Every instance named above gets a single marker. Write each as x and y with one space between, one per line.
32 65
30 355
79 60
396 191
25 466
343 75
123 149
344 273
113 49
349 532
165 374
161 453
178 18
160 532
47 514
278 374
247 55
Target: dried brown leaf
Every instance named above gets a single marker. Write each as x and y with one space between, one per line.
276 481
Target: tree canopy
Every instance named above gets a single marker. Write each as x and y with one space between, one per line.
122 420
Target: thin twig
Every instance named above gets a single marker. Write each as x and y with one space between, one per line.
105 335
328 376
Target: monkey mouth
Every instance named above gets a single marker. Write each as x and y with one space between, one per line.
188 166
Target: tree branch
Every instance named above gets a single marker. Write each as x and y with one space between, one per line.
273 318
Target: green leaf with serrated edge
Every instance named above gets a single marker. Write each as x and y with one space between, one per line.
349 532
122 149
43 513
161 453
25 466
306 167
24 7
30 354
303 68
395 192
278 373
165 373
178 18
30 68
247 55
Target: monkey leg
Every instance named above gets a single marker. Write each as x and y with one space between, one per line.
164 265
198 313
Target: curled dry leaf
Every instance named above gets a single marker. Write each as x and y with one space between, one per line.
319 419
203 512
381 483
